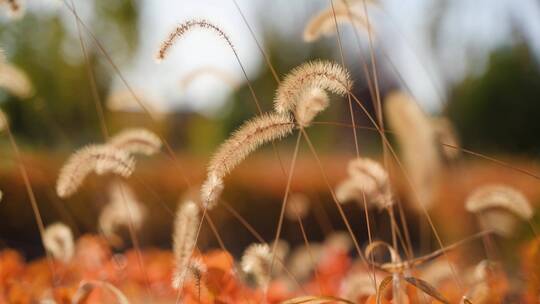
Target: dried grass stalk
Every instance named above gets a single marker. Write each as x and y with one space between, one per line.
499 208
186 225
419 152
136 141
58 240
234 150
324 75
185 27
100 159
123 209
256 261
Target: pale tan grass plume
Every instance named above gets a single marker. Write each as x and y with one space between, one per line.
136 141
256 261
186 224
309 105
58 240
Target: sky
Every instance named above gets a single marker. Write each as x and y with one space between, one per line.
469 31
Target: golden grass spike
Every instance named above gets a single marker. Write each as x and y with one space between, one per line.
382 287
427 288
4 121
219 73
445 133
311 103
136 141
185 27
298 206
499 207
87 286
100 159
186 225
256 261
419 151
316 300
324 24
15 81
367 179
250 136
58 240
325 75
123 209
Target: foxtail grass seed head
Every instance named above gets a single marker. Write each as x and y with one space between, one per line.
324 75
311 103
367 180
136 141
100 159
186 224
123 209
256 261
445 134
15 81
186 27
324 23
250 136
499 208
58 240
419 151
298 206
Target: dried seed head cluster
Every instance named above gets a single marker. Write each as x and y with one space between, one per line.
123 209
100 159
256 261
499 207
324 24
15 81
367 180
320 74
136 141
245 140
419 150
58 240
311 103
197 269
185 27
186 225
298 206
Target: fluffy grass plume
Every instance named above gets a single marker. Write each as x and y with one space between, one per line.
58 240
136 141
185 27
256 261
419 150
324 24
324 75
100 159
298 206
367 180
309 105
15 81
250 136
499 208
186 224
123 208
